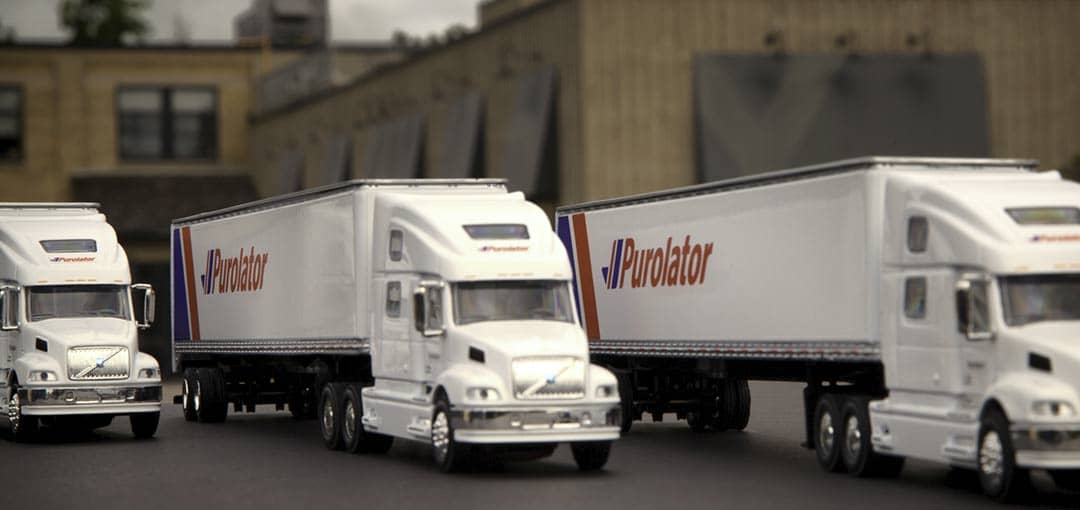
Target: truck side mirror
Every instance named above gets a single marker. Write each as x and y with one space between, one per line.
428 309
149 305
972 308
9 307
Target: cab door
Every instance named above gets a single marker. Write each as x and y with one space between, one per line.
974 333
428 332
390 352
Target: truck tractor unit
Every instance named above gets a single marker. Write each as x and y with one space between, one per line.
69 349
437 311
931 306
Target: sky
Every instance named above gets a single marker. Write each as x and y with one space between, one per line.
212 20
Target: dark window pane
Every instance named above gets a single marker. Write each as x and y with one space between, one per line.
193 136
168 123
140 136
10 123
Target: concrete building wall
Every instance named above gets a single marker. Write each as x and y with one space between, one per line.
637 91
489 62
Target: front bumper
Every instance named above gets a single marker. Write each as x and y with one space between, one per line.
550 425
1047 448
91 400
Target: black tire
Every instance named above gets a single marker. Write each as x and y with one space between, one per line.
21 427
727 406
449 455
1066 479
741 413
144 425
330 421
211 406
827 433
856 447
353 435
187 396
591 456
626 401
1001 479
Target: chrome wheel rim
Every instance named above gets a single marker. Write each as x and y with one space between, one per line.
198 396
992 458
350 421
440 436
187 395
327 419
853 439
826 433
14 411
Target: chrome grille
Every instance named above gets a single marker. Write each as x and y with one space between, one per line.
97 363
548 378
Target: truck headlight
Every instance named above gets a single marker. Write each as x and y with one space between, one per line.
481 394
606 391
149 373
1054 408
42 375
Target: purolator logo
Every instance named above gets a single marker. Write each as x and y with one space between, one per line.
243 273
661 266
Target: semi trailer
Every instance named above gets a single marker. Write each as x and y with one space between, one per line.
436 311
69 349
930 305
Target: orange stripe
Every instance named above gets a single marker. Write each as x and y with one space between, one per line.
585 278
189 273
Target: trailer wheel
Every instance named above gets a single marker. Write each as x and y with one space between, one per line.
187 398
827 433
591 456
356 439
856 447
727 406
211 405
144 425
741 415
22 427
1000 477
330 413
449 454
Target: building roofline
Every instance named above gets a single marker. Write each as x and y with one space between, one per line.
351 46
411 59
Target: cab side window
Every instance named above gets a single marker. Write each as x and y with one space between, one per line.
915 297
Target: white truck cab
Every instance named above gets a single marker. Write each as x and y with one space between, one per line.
69 351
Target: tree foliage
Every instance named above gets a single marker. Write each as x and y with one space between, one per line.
104 22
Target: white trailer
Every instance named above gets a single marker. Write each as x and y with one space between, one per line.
434 311
69 349
927 303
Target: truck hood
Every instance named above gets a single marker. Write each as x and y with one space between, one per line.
1057 340
515 339
75 332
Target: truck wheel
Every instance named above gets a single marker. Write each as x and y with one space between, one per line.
591 456
144 425
856 447
449 454
827 433
330 415
187 399
741 414
211 405
355 438
626 401
727 406
1000 477
22 427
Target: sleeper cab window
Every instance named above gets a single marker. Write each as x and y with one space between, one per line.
915 297
397 242
917 232
393 299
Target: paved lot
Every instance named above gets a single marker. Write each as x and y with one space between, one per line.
268 460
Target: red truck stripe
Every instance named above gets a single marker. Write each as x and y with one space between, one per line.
189 273
585 277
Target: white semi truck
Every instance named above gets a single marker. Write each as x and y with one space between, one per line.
436 311
932 306
69 350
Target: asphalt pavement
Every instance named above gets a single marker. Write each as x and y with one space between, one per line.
269 460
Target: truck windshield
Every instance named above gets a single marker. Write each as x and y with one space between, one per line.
1035 298
511 300
62 301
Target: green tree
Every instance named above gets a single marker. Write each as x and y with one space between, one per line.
104 22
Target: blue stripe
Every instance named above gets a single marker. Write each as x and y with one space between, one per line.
563 229
181 328
618 263
210 273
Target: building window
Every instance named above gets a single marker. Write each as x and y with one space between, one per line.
11 126
167 123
